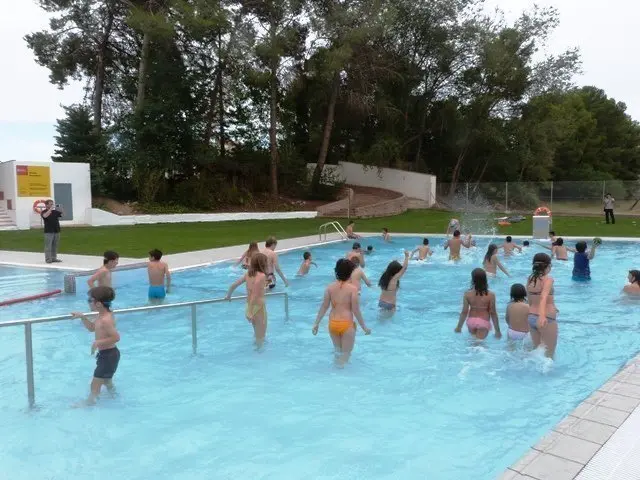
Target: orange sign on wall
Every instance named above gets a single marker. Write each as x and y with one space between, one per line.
33 181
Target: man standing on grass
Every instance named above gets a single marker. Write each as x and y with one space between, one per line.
609 202
51 218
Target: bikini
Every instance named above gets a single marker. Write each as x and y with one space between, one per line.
533 317
478 323
339 326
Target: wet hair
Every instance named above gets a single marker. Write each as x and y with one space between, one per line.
306 255
356 246
351 222
456 233
635 274
479 281
259 263
491 249
271 242
155 254
253 247
385 230
109 256
552 233
581 247
541 261
525 243
425 241
104 295
518 292
344 269
559 242
370 248
509 239
392 269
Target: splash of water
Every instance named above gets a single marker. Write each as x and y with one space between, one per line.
475 212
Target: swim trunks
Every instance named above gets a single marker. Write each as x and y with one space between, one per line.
340 327
107 363
253 309
157 291
271 280
516 335
386 305
533 321
477 323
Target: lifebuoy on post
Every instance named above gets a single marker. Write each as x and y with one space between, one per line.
39 206
543 211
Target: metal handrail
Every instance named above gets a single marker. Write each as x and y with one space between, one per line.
341 231
194 333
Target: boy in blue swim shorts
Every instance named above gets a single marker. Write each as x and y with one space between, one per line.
158 275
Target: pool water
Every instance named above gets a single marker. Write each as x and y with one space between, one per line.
20 282
417 400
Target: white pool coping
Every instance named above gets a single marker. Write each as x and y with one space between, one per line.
598 440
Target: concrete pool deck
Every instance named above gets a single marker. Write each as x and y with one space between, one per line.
598 440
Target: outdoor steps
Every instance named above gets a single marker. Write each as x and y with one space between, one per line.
367 202
5 220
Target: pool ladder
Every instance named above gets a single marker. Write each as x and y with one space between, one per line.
336 225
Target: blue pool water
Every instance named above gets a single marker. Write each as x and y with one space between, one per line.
416 402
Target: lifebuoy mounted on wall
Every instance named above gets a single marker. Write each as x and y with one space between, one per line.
542 211
39 206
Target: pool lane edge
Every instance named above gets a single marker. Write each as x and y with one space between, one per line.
597 441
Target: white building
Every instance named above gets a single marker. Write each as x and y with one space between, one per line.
24 187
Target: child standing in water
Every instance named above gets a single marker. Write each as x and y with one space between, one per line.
345 304
358 275
633 288
390 283
158 272
581 261
307 261
517 315
256 279
543 314
491 262
385 235
423 250
478 306
558 250
103 274
245 259
106 337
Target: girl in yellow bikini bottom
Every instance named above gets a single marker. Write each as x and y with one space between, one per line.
340 327
253 309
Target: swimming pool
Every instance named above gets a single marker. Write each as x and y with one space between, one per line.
417 400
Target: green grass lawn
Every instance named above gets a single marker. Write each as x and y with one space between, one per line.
136 241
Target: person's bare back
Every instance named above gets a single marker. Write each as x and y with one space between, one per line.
157 272
517 316
102 278
357 277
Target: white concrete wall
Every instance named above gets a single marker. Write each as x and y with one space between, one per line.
411 184
77 174
8 186
100 218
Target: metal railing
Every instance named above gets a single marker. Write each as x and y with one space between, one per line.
323 229
194 327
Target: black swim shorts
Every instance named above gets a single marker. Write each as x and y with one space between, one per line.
107 363
271 280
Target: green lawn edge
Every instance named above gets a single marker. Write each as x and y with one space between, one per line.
135 241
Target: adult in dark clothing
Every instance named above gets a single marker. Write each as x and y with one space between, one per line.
51 217
609 202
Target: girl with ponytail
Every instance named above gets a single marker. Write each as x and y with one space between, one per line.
542 309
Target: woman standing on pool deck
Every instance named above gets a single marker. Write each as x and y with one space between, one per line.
478 305
542 308
342 296
256 278
390 283
491 262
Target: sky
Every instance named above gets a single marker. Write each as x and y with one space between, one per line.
30 105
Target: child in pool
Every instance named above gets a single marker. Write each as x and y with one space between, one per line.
307 261
343 298
543 313
245 259
558 250
369 250
478 305
385 235
581 261
517 315
256 279
633 288
492 263
423 250
358 275
390 283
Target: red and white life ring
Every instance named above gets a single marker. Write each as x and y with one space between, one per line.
543 211
39 206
